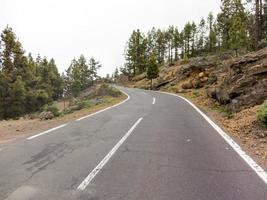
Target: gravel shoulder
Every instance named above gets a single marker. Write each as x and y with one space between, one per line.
14 129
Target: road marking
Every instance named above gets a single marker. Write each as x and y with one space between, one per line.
97 169
154 100
48 131
100 111
259 170
53 129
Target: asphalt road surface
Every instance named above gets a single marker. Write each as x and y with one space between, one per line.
154 146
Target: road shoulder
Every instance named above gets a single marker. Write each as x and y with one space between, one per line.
15 129
254 145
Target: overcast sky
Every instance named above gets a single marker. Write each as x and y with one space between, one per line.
64 29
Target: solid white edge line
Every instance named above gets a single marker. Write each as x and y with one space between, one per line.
55 128
48 131
97 169
259 170
154 100
128 97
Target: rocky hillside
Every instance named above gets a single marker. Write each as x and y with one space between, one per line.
238 83
231 90
245 84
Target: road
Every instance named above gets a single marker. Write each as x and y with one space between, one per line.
154 146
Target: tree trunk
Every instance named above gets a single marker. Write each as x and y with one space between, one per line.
151 84
176 54
193 45
257 25
260 20
188 46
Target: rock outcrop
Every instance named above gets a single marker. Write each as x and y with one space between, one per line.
245 84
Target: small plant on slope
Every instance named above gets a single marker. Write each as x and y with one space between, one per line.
262 113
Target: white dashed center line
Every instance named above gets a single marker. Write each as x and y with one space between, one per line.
154 100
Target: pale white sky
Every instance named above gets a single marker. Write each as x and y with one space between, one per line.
63 29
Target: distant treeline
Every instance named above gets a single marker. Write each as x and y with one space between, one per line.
238 26
27 83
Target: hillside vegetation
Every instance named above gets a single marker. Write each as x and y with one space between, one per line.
89 101
238 28
27 84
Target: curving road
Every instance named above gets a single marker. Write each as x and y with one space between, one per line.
154 146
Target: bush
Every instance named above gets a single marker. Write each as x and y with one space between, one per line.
262 113
36 99
78 105
67 111
83 104
52 109
106 90
226 112
185 60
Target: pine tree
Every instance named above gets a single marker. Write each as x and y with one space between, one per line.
201 32
258 23
238 35
12 70
116 74
169 34
182 44
136 52
230 11
9 46
5 86
160 46
187 37
18 96
151 41
153 70
126 70
211 40
194 34
176 43
94 66
74 78
81 75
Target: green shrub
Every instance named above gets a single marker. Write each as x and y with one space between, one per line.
185 60
52 109
73 101
79 105
106 90
67 111
262 113
83 104
35 99
226 113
